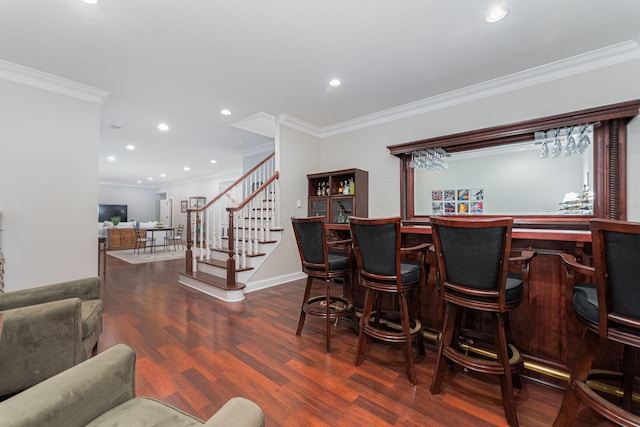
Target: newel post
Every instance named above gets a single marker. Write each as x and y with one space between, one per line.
189 254
231 261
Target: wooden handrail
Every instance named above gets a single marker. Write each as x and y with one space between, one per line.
236 182
253 195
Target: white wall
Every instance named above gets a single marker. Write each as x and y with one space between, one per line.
49 176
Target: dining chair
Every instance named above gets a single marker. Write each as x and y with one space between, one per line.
142 241
607 303
385 270
328 261
175 238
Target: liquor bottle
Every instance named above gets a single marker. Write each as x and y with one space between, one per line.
326 188
352 186
345 190
340 188
319 192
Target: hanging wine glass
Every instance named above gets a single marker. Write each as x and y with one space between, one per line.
584 139
583 142
571 146
557 146
544 153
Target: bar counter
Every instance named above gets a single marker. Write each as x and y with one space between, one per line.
544 326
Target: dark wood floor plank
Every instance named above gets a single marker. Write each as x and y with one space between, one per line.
196 352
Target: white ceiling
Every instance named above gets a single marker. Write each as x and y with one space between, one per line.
181 62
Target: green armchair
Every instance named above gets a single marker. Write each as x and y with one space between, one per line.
47 330
101 392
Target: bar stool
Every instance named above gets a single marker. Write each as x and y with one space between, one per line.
320 260
377 245
609 310
473 261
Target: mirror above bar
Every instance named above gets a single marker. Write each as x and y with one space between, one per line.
556 171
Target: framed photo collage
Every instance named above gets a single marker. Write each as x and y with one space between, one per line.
466 201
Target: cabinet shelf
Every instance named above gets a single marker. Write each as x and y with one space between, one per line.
327 195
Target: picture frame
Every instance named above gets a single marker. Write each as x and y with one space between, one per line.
197 202
184 204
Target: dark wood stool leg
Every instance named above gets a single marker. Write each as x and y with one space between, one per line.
506 385
366 314
303 315
414 314
328 313
515 378
571 402
448 327
405 320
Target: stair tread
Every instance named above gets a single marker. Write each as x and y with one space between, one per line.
222 264
223 250
212 280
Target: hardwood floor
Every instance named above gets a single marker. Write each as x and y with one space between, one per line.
196 352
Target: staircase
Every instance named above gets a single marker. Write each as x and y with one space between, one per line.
230 237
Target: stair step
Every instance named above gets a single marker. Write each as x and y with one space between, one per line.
212 280
248 240
222 264
226 251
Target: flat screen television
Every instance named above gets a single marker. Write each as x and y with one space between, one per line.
106 212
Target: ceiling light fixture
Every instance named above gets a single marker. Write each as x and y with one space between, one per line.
496 14
186 168
163 175
213 161
139 181
111 158
130 147
150 178
225 112
90 1
335 82
163 127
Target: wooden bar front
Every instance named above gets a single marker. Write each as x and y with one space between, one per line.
545 328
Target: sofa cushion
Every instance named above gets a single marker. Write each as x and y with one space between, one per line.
91 315
144 411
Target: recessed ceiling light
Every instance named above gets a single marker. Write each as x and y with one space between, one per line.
111 158
335 82
163 127
90 1
496 14
163 175
150 178
225 112
213 161
139 181
130 147
186 168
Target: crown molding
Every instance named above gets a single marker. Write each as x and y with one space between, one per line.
294 122
579 64
41 80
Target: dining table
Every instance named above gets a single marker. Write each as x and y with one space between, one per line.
153 230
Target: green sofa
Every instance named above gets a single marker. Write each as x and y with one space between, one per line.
101 392
46 330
